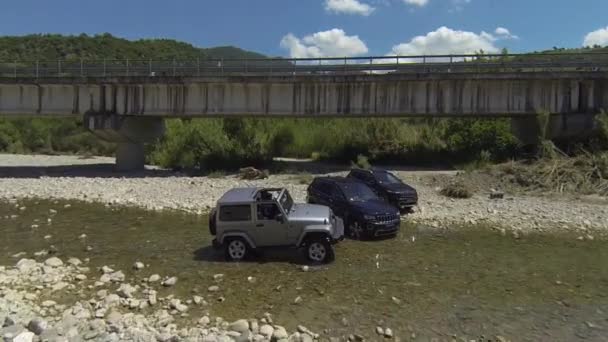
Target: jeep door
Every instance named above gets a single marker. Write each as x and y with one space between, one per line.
270 225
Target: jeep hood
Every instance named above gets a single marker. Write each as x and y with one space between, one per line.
312 213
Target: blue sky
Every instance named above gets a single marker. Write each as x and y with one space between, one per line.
310 28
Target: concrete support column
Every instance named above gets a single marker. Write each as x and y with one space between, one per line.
129 132
565 126
130 156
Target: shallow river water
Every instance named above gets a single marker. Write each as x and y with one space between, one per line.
469 283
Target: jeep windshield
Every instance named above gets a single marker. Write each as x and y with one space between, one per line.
386 178
357 192
286 201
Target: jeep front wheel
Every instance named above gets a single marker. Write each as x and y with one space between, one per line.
236 249
319 251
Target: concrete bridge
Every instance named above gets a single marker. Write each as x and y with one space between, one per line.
126 101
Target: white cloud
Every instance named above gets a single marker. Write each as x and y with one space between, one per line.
504 33
444 40
419 3
458 5
332 43
348 7
598 37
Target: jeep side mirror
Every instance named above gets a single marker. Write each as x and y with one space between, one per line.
280 218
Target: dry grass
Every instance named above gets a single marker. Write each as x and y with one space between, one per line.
457 189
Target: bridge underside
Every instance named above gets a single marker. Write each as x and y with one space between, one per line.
129 110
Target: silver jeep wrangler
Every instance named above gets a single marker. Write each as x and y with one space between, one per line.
246 219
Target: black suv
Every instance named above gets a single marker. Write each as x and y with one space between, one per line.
365 215
387 186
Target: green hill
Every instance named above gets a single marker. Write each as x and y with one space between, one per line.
54 46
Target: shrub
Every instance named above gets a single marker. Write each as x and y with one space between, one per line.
457 189
362 162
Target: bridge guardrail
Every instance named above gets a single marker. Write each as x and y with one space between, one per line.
589 62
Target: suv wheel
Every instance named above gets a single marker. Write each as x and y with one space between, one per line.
355 230
236 249
319 251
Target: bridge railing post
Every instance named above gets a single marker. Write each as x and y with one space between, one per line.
59 68
345 65
174 71
81 68
104 67
127 67
37 69
150 67
15 69
198 66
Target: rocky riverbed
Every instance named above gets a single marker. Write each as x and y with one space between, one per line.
149 276
32 309
92 180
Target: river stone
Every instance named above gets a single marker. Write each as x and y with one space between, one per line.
117 277
205 320
48 303
213 288
154 278
53 262
37 325
388 333
26 265
279 333
379 331
240 326
266 330
111 299
138 265
106 270
126 291
25 336
170 282
8 321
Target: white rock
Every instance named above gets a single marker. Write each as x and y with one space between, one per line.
240 326
25 336
267 330
74 262
279 333
26 265
154 278
213 288
170 282
138 265
126 291
48 303
106 270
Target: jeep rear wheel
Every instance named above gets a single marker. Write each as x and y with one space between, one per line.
236 249
319 251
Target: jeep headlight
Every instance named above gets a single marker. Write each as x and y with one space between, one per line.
369 217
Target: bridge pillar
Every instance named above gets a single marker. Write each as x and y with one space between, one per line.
129 132
562 126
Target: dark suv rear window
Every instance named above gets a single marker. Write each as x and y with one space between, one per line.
231 213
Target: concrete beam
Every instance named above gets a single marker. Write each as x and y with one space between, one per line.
411 95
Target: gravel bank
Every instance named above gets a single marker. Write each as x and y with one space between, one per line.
31 309
92 180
